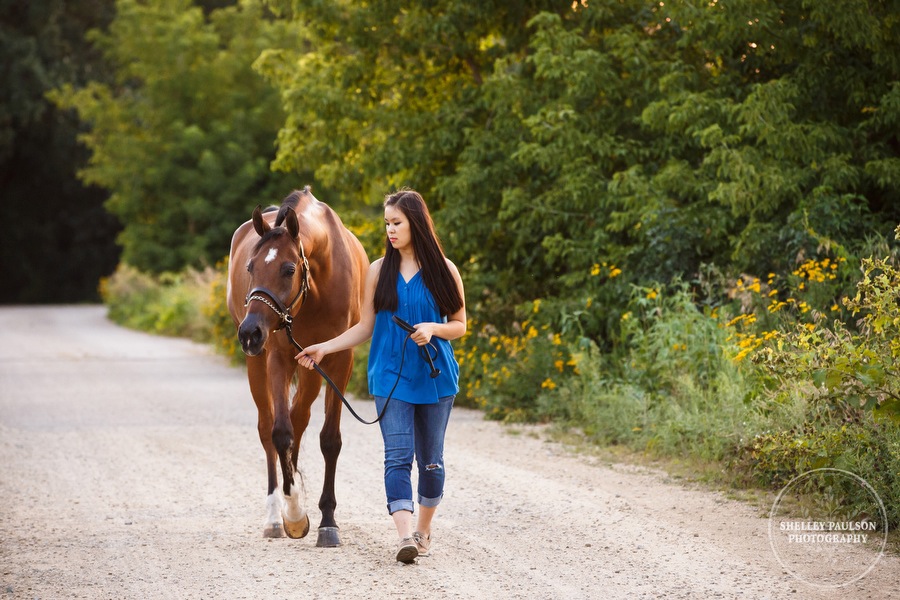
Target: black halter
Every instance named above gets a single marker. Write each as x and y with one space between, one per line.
270 298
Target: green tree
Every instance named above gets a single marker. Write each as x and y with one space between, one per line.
787 113
653 136
381 94
184 138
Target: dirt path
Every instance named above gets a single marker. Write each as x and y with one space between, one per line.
131 468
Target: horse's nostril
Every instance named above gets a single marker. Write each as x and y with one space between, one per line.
252 337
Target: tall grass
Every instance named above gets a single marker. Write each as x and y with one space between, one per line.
169 304
673 391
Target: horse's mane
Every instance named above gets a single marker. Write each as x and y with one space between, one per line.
289 203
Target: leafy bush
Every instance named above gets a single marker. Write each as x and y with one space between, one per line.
506 374
673 390
843 377
223 335
167 304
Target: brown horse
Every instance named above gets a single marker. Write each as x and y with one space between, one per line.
302 266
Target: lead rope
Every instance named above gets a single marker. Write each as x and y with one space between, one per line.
290 335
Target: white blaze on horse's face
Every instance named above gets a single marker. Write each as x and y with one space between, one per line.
273 252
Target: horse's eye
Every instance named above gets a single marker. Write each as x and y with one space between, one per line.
288 270
249 266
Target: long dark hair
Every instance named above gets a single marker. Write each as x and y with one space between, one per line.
435 272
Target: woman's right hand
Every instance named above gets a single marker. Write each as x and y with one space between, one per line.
311 356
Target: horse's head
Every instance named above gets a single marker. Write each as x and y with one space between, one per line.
278 275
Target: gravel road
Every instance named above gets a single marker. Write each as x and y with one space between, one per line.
131 468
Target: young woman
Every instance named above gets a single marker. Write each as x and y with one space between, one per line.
416 282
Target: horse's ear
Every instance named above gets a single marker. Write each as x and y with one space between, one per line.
290 221
259 224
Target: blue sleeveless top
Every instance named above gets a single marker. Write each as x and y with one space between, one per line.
415 304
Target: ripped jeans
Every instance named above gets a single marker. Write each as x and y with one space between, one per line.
413 431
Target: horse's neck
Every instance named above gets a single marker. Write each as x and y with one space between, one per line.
315 229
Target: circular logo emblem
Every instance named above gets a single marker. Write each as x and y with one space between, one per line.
828 528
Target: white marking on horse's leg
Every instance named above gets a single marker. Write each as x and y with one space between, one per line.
294 511
273 252
296 521
273 527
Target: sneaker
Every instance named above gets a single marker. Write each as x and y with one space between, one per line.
423 543
407 551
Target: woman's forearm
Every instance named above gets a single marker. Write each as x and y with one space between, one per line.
354 336
451 330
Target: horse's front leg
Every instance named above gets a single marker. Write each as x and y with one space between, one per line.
296 519
281 369
259 389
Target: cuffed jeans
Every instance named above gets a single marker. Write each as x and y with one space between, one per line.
413 431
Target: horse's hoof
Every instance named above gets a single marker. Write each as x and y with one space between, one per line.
329 537
273 530
297 529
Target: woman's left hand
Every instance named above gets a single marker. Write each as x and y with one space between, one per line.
423 334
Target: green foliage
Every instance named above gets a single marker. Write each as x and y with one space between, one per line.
183 140
836 379
223 335
670 390
848 372
167 304
380 94
507 375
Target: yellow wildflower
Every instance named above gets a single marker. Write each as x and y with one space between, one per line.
735 320
742 354
776 306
